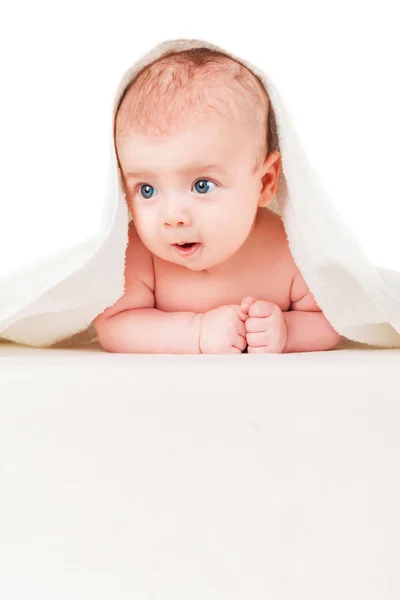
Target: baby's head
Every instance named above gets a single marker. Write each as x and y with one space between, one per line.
195 139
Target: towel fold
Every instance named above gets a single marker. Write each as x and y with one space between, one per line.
56 298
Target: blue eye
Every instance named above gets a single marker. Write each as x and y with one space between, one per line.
201 189
147 186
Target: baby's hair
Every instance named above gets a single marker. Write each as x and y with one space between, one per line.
197 83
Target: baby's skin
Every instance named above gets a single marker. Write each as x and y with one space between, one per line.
257 300
240 289
204 178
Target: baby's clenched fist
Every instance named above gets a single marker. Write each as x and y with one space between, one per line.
222 330
266 330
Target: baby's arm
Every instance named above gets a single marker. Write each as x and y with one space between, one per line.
133 325
307 327
150 331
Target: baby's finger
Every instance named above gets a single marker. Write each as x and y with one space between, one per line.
243 315
248 300
256 324
235 350
256 340
246 303
241 328
261 350
262 308
240 342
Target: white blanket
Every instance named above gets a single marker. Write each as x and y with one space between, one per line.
57 297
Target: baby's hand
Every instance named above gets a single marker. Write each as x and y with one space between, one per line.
222 331
266 330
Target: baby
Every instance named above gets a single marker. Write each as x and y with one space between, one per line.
208 267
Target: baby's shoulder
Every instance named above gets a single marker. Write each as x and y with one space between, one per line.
138 259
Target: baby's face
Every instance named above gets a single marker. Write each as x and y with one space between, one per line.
192 186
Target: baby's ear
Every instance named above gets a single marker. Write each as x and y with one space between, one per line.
270 173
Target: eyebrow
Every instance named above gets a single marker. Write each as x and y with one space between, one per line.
188 169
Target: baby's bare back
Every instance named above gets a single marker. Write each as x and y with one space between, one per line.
264 269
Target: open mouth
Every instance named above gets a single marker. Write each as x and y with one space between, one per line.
187 248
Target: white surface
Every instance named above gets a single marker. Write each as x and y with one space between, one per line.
199 477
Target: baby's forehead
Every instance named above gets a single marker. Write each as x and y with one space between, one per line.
223 146
206 134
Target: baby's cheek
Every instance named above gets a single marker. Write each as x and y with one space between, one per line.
146 229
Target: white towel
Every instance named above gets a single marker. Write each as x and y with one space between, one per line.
56 298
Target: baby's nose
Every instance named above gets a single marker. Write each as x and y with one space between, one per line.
177 224
177 217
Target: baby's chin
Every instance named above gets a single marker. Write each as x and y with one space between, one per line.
190 264
196 263
205 266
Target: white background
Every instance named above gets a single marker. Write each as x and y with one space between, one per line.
334 65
